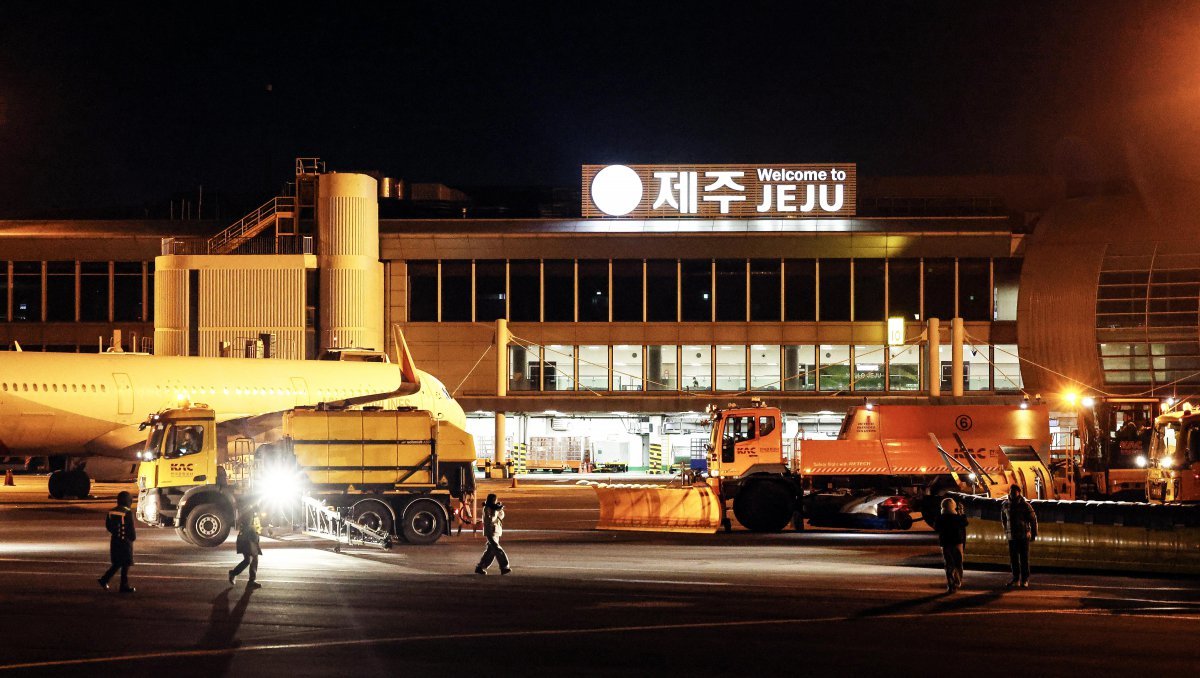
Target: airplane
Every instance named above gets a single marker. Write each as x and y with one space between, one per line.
88 407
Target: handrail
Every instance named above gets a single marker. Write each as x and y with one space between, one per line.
251 221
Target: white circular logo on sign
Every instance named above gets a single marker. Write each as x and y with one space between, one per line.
616 190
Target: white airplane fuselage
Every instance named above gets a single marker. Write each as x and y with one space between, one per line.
91 404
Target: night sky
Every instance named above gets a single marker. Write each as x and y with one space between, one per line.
112 109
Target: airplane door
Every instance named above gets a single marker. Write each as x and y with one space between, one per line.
301 388
124 393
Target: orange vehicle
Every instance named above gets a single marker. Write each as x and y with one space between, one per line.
887 464
906 456
1173 464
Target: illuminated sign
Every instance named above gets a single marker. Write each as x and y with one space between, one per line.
895 330
720 191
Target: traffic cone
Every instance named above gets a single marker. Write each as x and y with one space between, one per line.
8 478
514 481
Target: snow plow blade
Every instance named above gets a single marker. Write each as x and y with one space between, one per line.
657 508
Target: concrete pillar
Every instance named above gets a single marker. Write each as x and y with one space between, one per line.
499 451
933 344
956 357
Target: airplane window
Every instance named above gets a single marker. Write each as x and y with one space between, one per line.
35 388
74 388
64 388
93 388
55 388
24 387
6 386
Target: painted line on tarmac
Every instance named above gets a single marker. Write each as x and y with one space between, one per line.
669 581
484 635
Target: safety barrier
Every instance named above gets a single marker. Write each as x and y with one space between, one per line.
655 464
520 457
1092 535
657 508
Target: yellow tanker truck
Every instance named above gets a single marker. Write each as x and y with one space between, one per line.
383 472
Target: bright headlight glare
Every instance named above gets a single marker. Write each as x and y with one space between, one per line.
1140 461
1166 462
279 485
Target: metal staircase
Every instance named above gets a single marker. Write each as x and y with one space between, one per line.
282 212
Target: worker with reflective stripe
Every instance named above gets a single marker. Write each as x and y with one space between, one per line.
249 527
493 527
119 523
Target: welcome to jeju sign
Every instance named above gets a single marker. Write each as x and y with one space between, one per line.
720 191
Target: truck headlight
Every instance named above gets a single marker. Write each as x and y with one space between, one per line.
1166 462
1140 461
149 507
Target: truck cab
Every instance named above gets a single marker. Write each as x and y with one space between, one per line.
181 482
743 440
1173 462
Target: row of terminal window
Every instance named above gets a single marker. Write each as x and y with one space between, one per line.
76 291
25 387
706 290
704 368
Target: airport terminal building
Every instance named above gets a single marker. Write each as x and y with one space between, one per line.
715 284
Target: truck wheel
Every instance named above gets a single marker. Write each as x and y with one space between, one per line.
374 514
763 507
183 534
903 520
208 525
423 523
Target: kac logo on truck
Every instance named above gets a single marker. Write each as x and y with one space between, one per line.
180 467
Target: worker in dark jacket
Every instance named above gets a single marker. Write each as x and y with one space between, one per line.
1020 527
249 527
493 527
122 534
952 537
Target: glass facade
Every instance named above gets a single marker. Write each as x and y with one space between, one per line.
662 368
489 290
558 368
1147 311
558 290
734 290
70 291
799 368
593 291
731 368
834 368
834 284
695 370
60 291
593 368
869 365
764 368
627 367
904 368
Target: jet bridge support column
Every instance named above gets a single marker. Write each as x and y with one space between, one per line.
499 452
933 344
956 357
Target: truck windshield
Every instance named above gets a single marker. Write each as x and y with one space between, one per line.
184 440
1166 440
154 442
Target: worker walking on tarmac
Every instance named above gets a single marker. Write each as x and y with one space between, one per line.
249 528
119 523
493 527
1020 527
952 537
